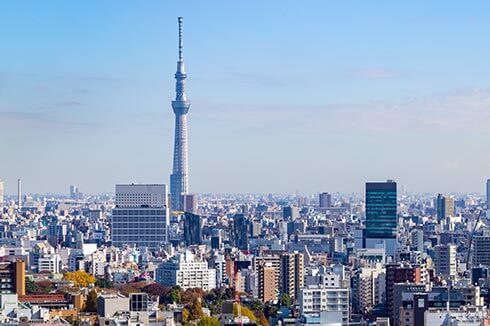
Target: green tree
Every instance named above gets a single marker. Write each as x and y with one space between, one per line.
270 311
208 321
91 304
31 286
286 300
173 296
256 305
104 283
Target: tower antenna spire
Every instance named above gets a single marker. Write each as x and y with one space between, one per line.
181 46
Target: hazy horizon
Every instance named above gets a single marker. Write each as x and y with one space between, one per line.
284 96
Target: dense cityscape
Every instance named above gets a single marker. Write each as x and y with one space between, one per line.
159 254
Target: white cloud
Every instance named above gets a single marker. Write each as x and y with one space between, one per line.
461 111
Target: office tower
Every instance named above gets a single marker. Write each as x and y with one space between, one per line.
179 179
192 229
141 216
292 274
449 206
381 218
325 200
399 273
290 213
187 271
189 203
1 196
488 198
445 260
19 193
267 282
441 207
240 231
73 192
444 206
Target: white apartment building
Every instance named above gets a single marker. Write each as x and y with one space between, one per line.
316 299
371 287
49 263
186 271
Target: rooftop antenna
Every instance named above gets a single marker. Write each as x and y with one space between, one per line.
181 46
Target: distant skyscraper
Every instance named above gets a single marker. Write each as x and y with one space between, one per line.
440 207
73 192
192 229
325 200
240 231
449 207
141 216
444 206
381 218
179 179
19 193
290 213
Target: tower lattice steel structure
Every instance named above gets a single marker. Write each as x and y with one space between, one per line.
179 179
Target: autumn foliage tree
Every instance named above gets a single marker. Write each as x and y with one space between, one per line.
195 309
79 278
208 321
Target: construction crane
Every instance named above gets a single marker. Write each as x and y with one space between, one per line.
237 294
471 240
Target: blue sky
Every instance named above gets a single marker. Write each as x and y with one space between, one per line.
285 95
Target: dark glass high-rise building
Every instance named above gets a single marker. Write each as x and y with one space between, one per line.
240 231
192 229
441 207
381 218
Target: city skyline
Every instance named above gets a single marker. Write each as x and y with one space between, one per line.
334 169
89 112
